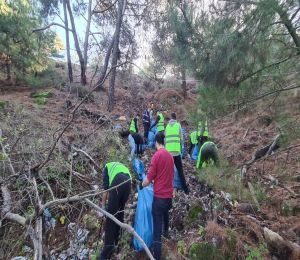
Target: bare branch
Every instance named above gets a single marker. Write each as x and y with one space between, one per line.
127 227
50 25
104 10
88 156
76 198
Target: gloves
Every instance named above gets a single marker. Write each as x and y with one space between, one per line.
129 158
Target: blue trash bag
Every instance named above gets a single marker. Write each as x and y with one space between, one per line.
139 169
177 184
195 153
143 223
151 136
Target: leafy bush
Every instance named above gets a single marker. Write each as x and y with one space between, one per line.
40 98
256 253
204 251
225 178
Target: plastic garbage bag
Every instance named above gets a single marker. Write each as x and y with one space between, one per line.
195 153
151 135
50 221
177 184
138 167
143 223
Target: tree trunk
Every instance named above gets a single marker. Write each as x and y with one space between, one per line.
8 74
106 61
121 9
183 83
289 26
77 46
87 33
70 71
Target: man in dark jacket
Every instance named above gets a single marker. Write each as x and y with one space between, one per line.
161 172
136 142
114 174
147 121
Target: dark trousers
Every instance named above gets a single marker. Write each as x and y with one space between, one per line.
139 149
160 213
116 203
178 164
146 131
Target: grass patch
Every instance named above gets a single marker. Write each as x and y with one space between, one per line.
225 178
52 76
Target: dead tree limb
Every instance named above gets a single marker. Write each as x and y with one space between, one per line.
127 227
50 25
88 156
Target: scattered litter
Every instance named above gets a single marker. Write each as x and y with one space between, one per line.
50 221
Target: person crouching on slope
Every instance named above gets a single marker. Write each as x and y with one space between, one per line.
114 174
208 154
136 142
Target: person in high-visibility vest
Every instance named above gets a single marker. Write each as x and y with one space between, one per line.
159 122
173 144
208 154
133 128
193 142
202 132
114 174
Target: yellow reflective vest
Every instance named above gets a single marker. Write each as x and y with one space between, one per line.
173 138
114 168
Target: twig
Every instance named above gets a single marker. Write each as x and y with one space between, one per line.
253 195
49 25
246 133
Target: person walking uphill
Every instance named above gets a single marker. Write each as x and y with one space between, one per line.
173 144
161 172
114 174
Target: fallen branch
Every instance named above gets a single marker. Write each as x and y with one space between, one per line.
88 156
127 227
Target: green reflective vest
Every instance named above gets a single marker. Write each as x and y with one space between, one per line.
202 129
132 127
114 168
173 138
204 164
193 137
161 122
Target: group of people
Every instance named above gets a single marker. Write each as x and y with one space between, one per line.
168 143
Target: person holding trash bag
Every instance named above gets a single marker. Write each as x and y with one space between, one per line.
114 174
161 172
